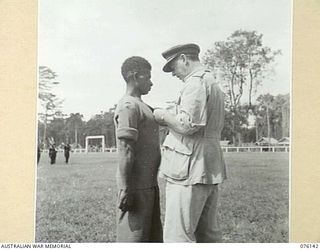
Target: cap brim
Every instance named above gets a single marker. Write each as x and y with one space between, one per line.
167 67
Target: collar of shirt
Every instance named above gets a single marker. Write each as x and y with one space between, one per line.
195 72
198 72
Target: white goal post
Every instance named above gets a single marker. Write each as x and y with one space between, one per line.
95 137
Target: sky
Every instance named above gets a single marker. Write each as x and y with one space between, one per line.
86 41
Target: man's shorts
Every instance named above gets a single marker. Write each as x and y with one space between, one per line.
143 223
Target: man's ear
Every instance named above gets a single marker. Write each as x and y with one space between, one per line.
134 76
183 57
131 74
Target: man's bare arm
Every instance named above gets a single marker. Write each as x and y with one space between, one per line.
126 160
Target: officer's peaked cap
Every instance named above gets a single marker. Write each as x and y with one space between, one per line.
172 53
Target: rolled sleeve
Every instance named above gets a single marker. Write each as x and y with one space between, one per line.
127 122
127 133
185 124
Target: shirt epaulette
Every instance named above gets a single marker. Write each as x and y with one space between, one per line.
201 75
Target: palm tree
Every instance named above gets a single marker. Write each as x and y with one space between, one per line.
267 104
74 123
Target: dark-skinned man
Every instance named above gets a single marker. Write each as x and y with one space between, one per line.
138 215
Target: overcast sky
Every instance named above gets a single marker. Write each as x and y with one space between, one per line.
86 41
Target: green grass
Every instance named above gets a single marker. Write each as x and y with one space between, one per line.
76 202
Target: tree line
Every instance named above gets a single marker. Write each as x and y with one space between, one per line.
74 129
241 64
268 117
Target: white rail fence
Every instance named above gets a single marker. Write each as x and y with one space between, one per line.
224 149
255 149
83 150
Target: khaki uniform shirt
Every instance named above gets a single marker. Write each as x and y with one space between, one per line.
134 120
193 154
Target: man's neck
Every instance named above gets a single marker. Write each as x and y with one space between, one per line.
132 91
194 66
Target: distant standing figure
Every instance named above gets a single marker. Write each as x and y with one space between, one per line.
38 154
67 149
52 154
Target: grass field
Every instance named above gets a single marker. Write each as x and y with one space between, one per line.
76 202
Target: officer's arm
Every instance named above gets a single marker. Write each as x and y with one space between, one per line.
180 123
192 115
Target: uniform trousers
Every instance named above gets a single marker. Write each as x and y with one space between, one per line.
191 213
67 155
143 223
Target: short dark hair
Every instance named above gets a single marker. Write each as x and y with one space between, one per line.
193 57
133 64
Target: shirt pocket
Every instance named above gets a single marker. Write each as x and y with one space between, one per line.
176 157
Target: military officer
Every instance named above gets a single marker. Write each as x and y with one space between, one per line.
192 160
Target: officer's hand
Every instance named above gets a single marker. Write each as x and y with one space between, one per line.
125 200
159 116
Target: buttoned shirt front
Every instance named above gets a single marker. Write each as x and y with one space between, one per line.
191 152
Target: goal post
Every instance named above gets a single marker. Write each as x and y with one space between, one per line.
95 137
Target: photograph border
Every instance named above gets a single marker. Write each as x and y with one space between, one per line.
18 77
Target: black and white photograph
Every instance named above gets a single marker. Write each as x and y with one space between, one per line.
163 121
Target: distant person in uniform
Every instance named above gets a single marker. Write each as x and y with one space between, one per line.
137 133
52 154
67 149
192 161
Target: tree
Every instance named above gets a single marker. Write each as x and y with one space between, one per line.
109 121
240 62
267 104
282 116
74 122
57 129
49 102
273 115
102 124
232 120
248 135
